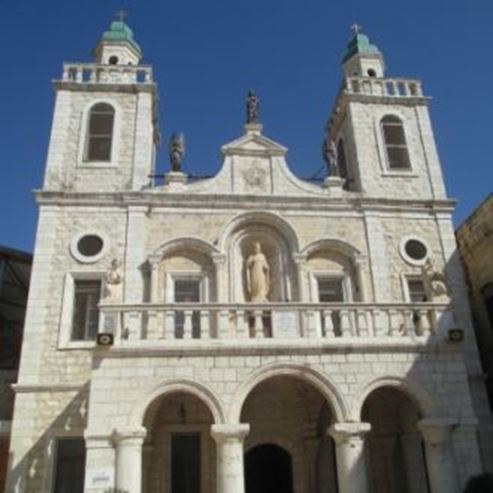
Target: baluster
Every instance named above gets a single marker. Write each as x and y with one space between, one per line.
408 327
394 322
258 327
424 326
223 329
205 328
147 76
312 324
169 324
345 323
66 72
187 325
380 327
134 326
241 325
328 323
152 327
361 323
79 74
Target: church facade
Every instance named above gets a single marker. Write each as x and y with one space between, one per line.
253 331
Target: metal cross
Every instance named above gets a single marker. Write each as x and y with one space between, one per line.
121 15
356 28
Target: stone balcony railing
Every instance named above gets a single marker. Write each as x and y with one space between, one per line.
372 86
91 73
162 324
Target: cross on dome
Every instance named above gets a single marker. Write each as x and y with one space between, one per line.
121 14
356 28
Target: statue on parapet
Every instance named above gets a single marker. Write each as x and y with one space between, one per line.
176 151
252 107
329 153
113 283
437 282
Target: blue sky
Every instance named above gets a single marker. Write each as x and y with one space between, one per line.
206 54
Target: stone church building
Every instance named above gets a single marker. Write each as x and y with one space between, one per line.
250 332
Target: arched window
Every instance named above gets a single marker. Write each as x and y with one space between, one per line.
341 159
100 132
395 142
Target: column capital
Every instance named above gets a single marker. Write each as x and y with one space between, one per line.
153 261
299 258
343 432
435 431
129 435
226 432
97 440
218 258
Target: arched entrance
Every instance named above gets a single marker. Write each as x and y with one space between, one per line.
289 419
268 468
179 455
394 447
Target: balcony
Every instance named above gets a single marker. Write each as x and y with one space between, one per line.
91 73
372 86
194 324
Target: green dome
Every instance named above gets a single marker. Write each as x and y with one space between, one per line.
119 31
360 44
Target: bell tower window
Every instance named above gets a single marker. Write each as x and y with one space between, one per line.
100 132
395 143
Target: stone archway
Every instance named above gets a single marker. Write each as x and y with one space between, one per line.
291 414
395 457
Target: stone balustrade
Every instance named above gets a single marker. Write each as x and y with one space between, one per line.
278 321
372 86
91 73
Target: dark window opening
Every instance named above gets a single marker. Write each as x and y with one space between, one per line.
395 143
415 249
487 292
417 291
90 245
113 60
85 311
70 465
185 463
100 132
187 291
371 73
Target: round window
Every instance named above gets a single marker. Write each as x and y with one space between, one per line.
415 249
90 245
113 60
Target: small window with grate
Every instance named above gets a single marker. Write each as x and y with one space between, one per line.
330 290
100 132
85 318
395 143
416 290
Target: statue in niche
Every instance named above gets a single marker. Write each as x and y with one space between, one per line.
329 153
437 282
257 275
252 107
176 151
113 282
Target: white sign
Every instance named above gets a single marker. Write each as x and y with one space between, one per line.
285 324
100 478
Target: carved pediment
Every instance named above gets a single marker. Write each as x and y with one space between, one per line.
253 144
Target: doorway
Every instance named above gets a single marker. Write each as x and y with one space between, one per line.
268 468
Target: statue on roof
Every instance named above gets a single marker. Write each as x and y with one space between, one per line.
252 107
329 153
176 151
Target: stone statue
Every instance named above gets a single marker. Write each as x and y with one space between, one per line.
257 275
113 282
329 153
252 107
176 151
437 282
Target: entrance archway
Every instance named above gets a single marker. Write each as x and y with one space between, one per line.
268 468
289 416
394 449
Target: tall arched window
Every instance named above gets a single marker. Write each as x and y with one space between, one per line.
394 139
100 132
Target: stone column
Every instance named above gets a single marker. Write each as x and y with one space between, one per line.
230 472
300 261
153 262
222 295
351 468
129 459
439 456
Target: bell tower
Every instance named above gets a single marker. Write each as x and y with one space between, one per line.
382 129
105 128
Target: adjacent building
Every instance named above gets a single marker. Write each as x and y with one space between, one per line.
252 331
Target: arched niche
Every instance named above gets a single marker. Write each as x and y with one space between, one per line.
275 247
179 261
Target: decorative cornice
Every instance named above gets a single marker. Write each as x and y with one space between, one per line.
25 388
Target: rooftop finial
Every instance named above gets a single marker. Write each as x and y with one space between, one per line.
356 28
252 107
120 15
